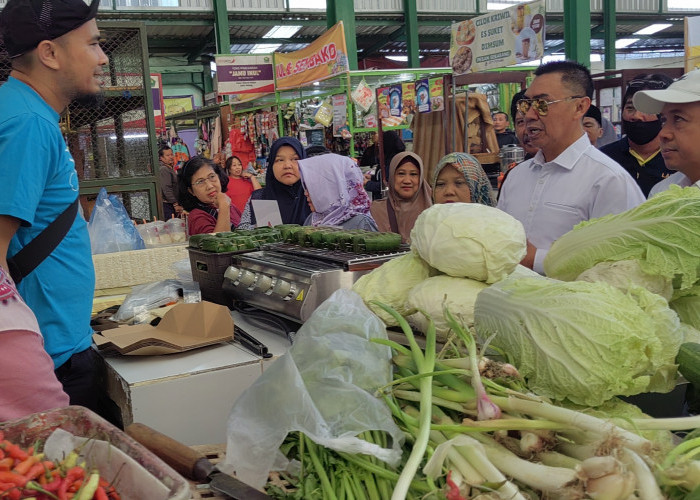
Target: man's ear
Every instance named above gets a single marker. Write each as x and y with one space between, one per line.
46 54
582 106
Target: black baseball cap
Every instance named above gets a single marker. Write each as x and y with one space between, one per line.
594 112
26 23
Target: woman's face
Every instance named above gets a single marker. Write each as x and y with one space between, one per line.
308 200
406 180
236 169
451 186
205 185
285 168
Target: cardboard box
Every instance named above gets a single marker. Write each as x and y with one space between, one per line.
184 327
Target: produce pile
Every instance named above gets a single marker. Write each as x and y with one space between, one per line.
521 398
25 474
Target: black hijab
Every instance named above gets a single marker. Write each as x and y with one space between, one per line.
294 208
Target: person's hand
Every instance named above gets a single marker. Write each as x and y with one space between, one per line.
222 201
529 259
367 177
246 175
178 208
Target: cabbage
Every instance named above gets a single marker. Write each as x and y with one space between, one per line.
687 305
585 342
390 284
459 294
626 273
663 234
469 240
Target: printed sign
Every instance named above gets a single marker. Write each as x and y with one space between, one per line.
437 95
501 38
244 74
324 58
409 98
423 95
340 113
395 100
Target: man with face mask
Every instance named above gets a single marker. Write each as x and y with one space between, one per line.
639 151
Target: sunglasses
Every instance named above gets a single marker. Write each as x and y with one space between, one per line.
647 84
541 106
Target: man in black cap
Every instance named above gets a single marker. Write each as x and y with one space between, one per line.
639 151
593 124
54 47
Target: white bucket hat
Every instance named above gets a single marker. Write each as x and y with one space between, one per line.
684 90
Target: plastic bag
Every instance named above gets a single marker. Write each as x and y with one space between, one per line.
324 387
143 298
110 228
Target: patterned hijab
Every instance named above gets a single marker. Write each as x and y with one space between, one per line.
478 181
335 186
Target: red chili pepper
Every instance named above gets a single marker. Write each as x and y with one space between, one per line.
72 475
14 451
2 453
24 466
12 477
6 463
100 494
35 471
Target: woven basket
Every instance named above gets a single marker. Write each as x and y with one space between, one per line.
136 267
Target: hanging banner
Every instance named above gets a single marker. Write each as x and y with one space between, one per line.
340 113
178 104
157 99
244 74
692 43
409 98
395 100
423 95
437 94
324 58
501 38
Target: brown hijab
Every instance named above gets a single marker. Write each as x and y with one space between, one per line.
406 211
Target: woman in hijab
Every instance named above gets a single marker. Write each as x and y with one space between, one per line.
459 177
333 186
201 191
282 184
408 196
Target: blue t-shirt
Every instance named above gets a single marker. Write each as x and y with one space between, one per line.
37 182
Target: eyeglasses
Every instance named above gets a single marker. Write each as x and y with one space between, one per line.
647 84
211 178
541 105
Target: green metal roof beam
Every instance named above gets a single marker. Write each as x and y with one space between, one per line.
398 34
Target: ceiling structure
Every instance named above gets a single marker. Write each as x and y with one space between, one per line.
190 36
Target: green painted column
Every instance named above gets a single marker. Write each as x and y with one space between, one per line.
577 31
344 10
410 12
221 28
609 23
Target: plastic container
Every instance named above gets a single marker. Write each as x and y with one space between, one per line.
80 421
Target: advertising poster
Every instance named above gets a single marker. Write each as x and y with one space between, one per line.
244 74
498 39
423 95
178 104
324 58
408 91
157 98
383 102
395 101
437 94
340 113
692 43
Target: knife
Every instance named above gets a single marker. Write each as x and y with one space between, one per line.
191 464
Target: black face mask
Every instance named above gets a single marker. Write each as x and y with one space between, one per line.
641 132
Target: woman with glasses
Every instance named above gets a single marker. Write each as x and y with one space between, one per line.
282 184
202 185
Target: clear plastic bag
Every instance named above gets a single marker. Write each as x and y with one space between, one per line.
143 298
111 228
324 387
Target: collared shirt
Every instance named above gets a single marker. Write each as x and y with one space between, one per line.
550 198
678 178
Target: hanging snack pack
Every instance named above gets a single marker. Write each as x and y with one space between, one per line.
324 113
363 96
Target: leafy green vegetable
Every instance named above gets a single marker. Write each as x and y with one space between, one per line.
663 234
626 273
390 283
458 295
687 305
585 342
469 240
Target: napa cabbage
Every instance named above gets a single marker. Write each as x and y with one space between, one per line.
626 273
390 284
457 294
585 342
687 305
662 234
469 240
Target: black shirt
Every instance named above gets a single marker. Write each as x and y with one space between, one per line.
645 175
505 138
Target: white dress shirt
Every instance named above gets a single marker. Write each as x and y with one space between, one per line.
550 198
678 178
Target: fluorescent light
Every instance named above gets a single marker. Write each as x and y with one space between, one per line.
264 48
130 136
281 31
625 42
652 28
398 58
317 84
307 4
500 5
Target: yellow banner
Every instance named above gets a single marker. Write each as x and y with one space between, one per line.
692 43
327 56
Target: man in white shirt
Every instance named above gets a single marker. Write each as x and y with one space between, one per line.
679 108
568 180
